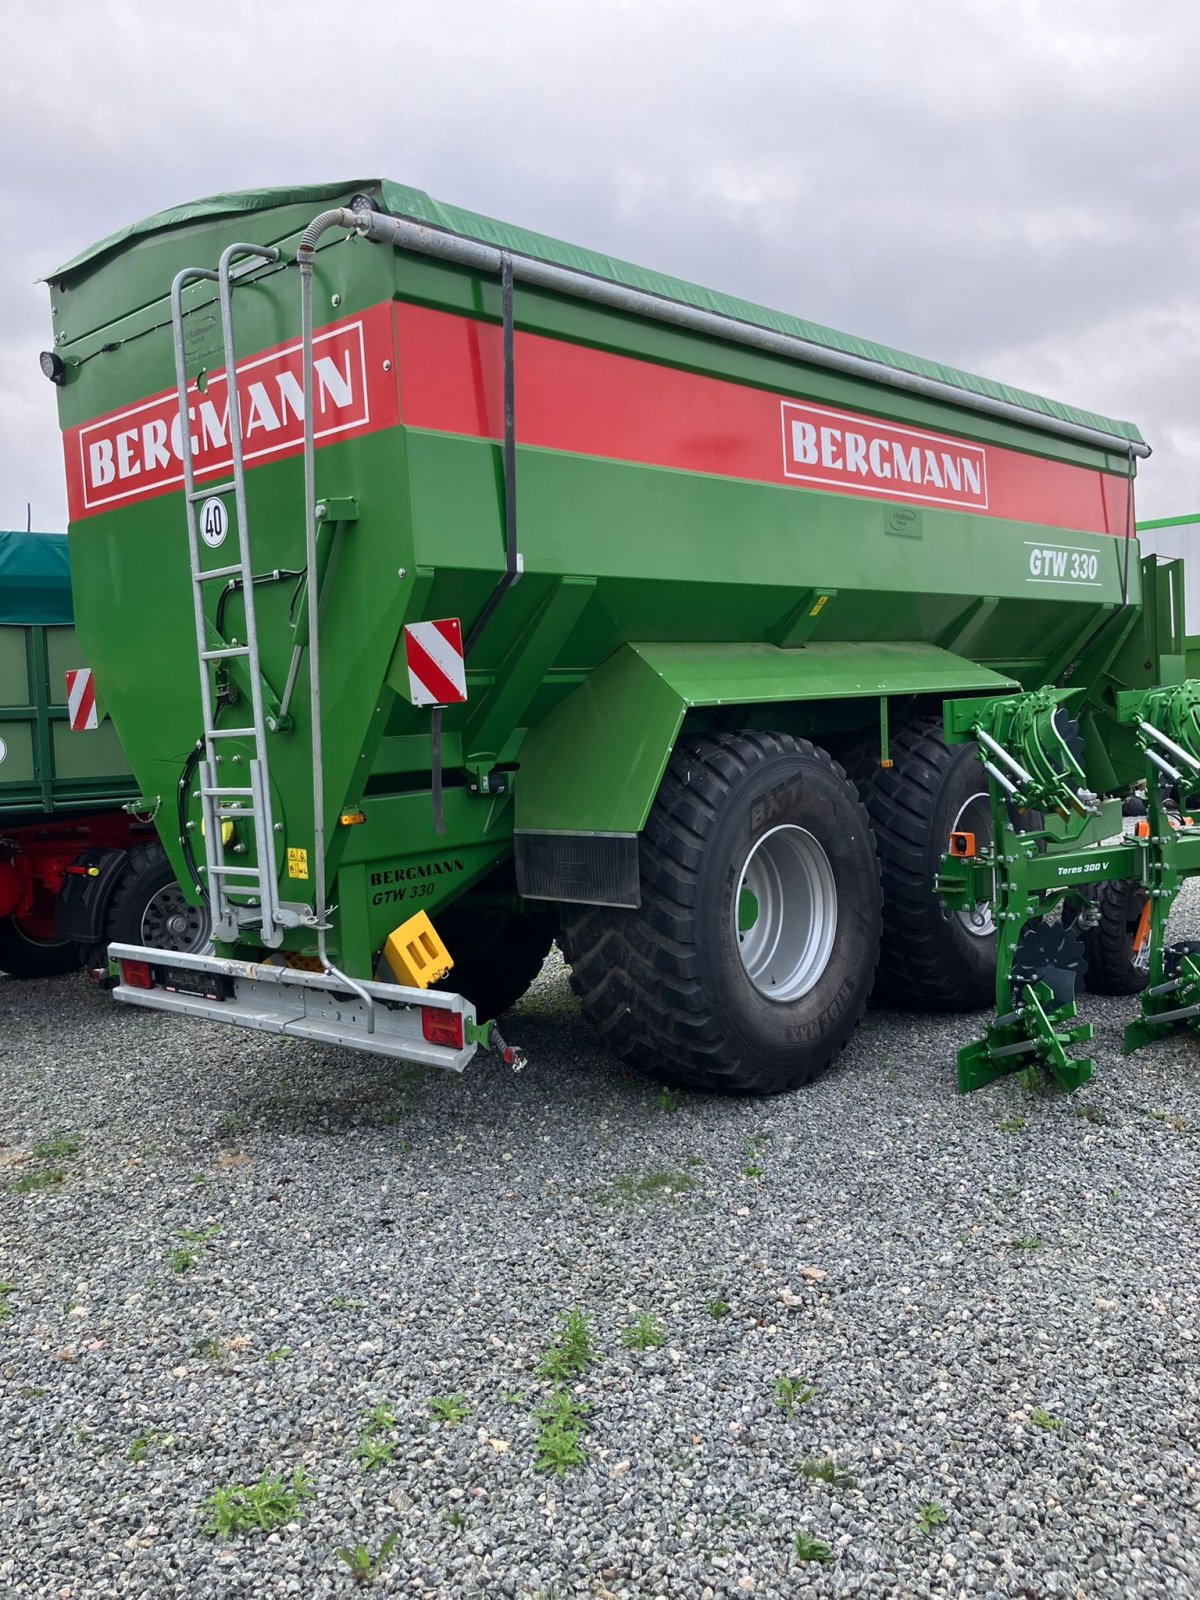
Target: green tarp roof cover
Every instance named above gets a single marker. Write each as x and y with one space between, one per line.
35 580
401 201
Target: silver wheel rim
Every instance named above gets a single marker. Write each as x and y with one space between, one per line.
170 923
785 913
975 816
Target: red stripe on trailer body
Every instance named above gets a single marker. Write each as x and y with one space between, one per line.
571 397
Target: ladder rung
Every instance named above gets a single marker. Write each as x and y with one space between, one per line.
235 872
211 489
237 813
218 572
224 653
230 733
227 794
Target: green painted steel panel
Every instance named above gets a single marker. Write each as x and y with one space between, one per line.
595 762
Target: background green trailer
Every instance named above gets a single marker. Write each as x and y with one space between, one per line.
76 868
429 565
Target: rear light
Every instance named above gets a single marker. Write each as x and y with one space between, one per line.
442 1027
136 975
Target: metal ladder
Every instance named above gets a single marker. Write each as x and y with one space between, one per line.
246 804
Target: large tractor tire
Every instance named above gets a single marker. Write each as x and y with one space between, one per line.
148 906
497 954
23 956
930 957
1117 946
752 955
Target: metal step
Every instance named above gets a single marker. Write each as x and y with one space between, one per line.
225 653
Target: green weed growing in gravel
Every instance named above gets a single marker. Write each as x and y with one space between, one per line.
6 1311
718 1309
756 1147
661 1183
574 1346
373 1453
31 1391
281 1354
339 1302
31 1182
1030 1242
1012 1124
792 1392
58 1147
183 1257
449 1408
1180 1124
513 1397
1036 1080
140 1448
1041 1418
208 1349
824 1469
457 1519
256 1507
930 1516
364 1567
668 1099
1092 1114
806 1548
559 1442
376 1447
646 1332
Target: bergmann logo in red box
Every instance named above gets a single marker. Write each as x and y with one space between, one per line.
839 450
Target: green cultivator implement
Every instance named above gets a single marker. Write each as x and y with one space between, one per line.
453 590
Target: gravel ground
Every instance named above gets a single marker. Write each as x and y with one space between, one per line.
998 1318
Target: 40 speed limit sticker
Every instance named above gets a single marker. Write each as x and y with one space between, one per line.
1063 563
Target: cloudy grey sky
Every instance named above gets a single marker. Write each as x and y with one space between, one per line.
1012 186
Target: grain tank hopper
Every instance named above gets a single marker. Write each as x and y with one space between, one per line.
450 587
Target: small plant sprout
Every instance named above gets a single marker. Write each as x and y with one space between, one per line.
1012 1124
339 1302
1029 1242
256 1507
32 1182
58 1147
140 1448
364 1567
574 1346
668 1099
449 1408
930 1516
824 1469
1041 1418
183 1257
792 1392
806 1548
645 1333
373 1452
558 1445
6 1311
718 1309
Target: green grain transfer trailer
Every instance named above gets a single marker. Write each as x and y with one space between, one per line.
76 869
452 588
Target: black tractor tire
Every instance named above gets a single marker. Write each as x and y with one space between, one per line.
148 907
497 954
928 958
666 986
1111 963
23 956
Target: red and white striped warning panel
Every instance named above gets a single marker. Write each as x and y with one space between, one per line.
437 669
81 700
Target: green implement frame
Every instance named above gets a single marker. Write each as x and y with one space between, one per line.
1075 843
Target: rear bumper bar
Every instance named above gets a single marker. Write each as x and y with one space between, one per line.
301 1005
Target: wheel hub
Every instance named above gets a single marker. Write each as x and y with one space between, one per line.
170 923
786 913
